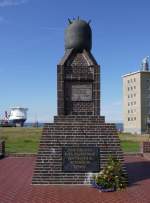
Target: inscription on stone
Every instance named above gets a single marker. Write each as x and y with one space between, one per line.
80 159
82 92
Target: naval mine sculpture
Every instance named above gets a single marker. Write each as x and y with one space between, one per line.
79 141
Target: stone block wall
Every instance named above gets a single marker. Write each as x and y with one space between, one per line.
79 137
75 72
146 147
73 131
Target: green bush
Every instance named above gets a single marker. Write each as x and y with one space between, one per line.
111 176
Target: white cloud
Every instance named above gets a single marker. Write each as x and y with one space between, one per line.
4 3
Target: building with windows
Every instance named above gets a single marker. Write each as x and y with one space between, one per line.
136 100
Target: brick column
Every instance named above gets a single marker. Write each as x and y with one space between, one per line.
60 90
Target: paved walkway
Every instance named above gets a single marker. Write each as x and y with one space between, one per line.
15 185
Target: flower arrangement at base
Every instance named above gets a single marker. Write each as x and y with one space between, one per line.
111 178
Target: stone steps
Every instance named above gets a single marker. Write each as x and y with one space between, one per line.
80 128
59 135
80 119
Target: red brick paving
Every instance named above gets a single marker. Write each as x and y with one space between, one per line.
16 175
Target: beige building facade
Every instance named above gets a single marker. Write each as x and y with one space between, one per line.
136 102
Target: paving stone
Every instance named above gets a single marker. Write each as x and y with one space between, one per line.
16 177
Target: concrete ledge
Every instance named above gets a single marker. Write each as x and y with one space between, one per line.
35 154
133 153
21 155
146 156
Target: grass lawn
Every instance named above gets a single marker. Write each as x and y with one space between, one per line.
21 140
130 146
131 143
26 140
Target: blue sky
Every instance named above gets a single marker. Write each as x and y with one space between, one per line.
32 44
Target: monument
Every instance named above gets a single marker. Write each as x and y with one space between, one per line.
79 141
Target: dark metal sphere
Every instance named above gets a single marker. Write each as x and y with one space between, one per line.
78 35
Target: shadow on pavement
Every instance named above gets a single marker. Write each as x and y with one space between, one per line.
138 171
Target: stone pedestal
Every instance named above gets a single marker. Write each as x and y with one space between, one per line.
70 145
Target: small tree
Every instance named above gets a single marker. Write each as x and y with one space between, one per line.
111 176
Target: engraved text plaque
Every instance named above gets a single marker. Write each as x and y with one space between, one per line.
82 92
80 159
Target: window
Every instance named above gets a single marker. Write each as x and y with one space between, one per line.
128 88
128 119
135 118
134 87
135 103
128 81
134 80
128 111
134 95
128 103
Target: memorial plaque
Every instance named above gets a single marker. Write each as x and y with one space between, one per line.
82 92
80 159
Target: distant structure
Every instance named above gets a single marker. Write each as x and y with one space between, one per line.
136 100
145 64
18 116
15 118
